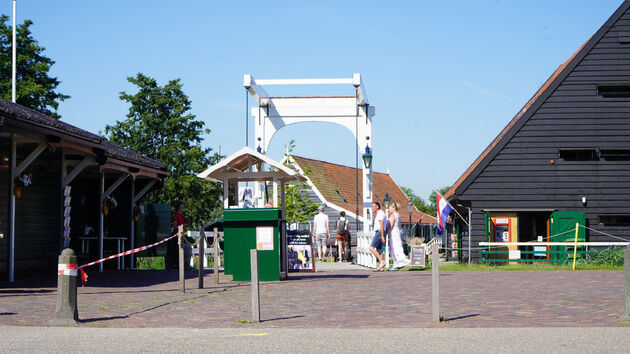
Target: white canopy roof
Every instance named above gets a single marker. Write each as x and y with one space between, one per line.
238 167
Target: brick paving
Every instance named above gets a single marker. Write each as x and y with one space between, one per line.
338 298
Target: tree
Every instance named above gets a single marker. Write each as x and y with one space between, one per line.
160 126
418 202
433 196
34 87
298 207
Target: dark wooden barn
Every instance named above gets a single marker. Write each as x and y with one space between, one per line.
34 219
567 150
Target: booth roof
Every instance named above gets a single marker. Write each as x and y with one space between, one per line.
242 160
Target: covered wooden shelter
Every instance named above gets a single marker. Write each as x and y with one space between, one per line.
57 155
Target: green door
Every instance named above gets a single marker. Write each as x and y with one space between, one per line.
561 224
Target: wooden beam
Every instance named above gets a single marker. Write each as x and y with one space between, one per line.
143 191
116 184
87 161
29 159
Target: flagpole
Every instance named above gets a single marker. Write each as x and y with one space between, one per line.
460 215
14 57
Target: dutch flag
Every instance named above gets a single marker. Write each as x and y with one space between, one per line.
443 210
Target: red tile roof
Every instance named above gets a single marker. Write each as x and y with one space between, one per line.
329 178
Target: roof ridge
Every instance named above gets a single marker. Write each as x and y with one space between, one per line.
553 78
336 164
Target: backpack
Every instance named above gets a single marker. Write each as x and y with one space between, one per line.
342 229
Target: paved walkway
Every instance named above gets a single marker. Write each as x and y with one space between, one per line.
341 298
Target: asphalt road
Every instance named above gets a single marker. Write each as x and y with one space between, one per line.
16 339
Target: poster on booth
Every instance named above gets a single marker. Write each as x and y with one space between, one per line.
264 238
300 251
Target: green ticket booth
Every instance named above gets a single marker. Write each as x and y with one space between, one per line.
254 228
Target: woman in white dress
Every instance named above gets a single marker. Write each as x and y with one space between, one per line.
395 242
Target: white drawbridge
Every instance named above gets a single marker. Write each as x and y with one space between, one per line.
352 112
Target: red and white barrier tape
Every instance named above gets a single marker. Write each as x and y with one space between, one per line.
67 269
126 253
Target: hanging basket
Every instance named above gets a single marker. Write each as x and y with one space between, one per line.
17 191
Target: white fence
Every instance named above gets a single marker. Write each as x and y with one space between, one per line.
364 256
208 249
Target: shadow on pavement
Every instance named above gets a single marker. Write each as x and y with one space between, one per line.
462 317
327 275
282 318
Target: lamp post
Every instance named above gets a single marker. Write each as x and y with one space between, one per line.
386 201
410 210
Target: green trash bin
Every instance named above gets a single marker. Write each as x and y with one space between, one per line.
247 229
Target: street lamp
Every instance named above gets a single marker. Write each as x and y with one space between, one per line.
386 201
410 210
367 157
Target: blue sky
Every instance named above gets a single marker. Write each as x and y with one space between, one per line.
445 77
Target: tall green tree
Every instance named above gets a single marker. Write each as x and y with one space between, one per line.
35 88
418 202
433 196
160 126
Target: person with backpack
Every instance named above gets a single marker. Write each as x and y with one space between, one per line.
343 236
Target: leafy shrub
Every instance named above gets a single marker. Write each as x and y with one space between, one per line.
613 256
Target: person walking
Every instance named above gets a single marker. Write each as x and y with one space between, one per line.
395 238
172 250
322 232
380 224
343 236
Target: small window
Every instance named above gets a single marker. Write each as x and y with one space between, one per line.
615 154
615 220
579 154
614 91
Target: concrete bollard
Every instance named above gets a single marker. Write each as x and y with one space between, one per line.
255 289
626 271
435 277
66 313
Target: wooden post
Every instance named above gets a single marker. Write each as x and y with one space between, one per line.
626 271
182 277
435 272
216 255
254 281
202 254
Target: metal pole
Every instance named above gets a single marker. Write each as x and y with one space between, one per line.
101 218
469 232
626 270
132 227
255 291
14 56
216 255
11 230
202 255
435 272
